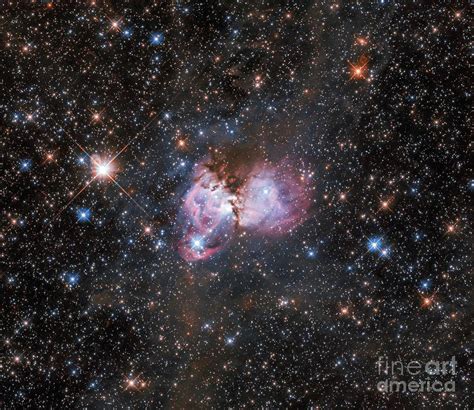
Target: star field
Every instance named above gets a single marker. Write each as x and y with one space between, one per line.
332 225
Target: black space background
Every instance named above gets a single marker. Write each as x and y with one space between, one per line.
261 323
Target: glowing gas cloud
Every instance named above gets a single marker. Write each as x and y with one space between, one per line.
255 196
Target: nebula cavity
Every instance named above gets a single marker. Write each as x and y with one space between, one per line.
257 196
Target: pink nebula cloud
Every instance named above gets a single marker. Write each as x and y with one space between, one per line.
267 199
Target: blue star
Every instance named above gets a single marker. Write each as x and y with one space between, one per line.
425 284
311 253
82 160
127 33
385 252
71 279
197 243
159 244
418 236
25 165
374 244
156 39
83 215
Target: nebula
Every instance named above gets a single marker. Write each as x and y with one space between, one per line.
208 215
256 196
273 201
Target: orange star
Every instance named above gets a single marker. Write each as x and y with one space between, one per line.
358 70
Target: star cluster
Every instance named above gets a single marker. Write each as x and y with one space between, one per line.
109 111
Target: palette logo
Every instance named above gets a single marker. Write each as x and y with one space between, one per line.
416 376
